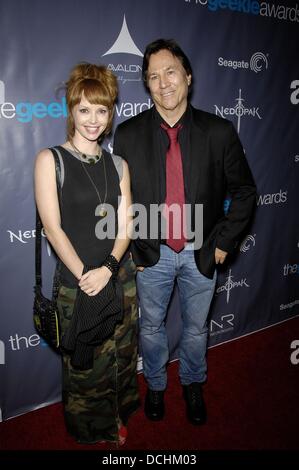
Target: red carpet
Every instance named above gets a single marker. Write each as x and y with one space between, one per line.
251 396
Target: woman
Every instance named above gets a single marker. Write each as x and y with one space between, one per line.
97 401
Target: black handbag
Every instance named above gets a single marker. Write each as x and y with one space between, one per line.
45 312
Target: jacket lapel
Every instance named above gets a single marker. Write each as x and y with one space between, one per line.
151 159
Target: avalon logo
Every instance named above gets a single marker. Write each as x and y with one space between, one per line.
239 110
124 44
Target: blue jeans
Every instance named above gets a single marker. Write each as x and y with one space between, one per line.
155 285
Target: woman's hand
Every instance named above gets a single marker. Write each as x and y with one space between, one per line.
95 280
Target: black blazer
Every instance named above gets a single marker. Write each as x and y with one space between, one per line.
218 166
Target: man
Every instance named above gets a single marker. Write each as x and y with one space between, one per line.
180 155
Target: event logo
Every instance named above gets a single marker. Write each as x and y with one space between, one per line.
230 284
289 269
296 158
257 62
295 94
124 44
225 324
25 111
239 111
247 243
17 343
243 6
2 353
252 7
129 109
280 12
23 342
294 357
24 236
274 198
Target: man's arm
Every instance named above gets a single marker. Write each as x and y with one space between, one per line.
241 186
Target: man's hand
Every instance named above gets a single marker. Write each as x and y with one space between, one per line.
220 256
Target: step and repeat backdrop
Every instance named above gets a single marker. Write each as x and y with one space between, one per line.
244 55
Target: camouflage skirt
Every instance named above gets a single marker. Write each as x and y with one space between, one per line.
97 400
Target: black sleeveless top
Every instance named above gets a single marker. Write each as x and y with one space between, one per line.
79 203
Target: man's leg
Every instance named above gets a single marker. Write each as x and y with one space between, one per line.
196 293
154 288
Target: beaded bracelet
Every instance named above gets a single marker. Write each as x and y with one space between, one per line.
112 264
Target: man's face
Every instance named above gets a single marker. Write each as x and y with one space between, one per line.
168 83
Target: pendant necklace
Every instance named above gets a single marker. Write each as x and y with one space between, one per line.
93 160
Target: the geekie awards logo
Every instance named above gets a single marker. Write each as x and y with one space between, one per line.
25 111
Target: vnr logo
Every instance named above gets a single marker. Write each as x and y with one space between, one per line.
26 111
225 323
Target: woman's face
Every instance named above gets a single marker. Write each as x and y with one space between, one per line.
90 120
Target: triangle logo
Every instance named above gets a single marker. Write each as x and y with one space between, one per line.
124 44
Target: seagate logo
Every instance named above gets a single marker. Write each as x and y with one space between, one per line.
247 243
257 63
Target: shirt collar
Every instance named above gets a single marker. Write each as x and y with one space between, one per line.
185 119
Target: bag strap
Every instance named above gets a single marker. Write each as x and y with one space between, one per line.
38 236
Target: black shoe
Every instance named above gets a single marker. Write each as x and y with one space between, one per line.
195 405
154 405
